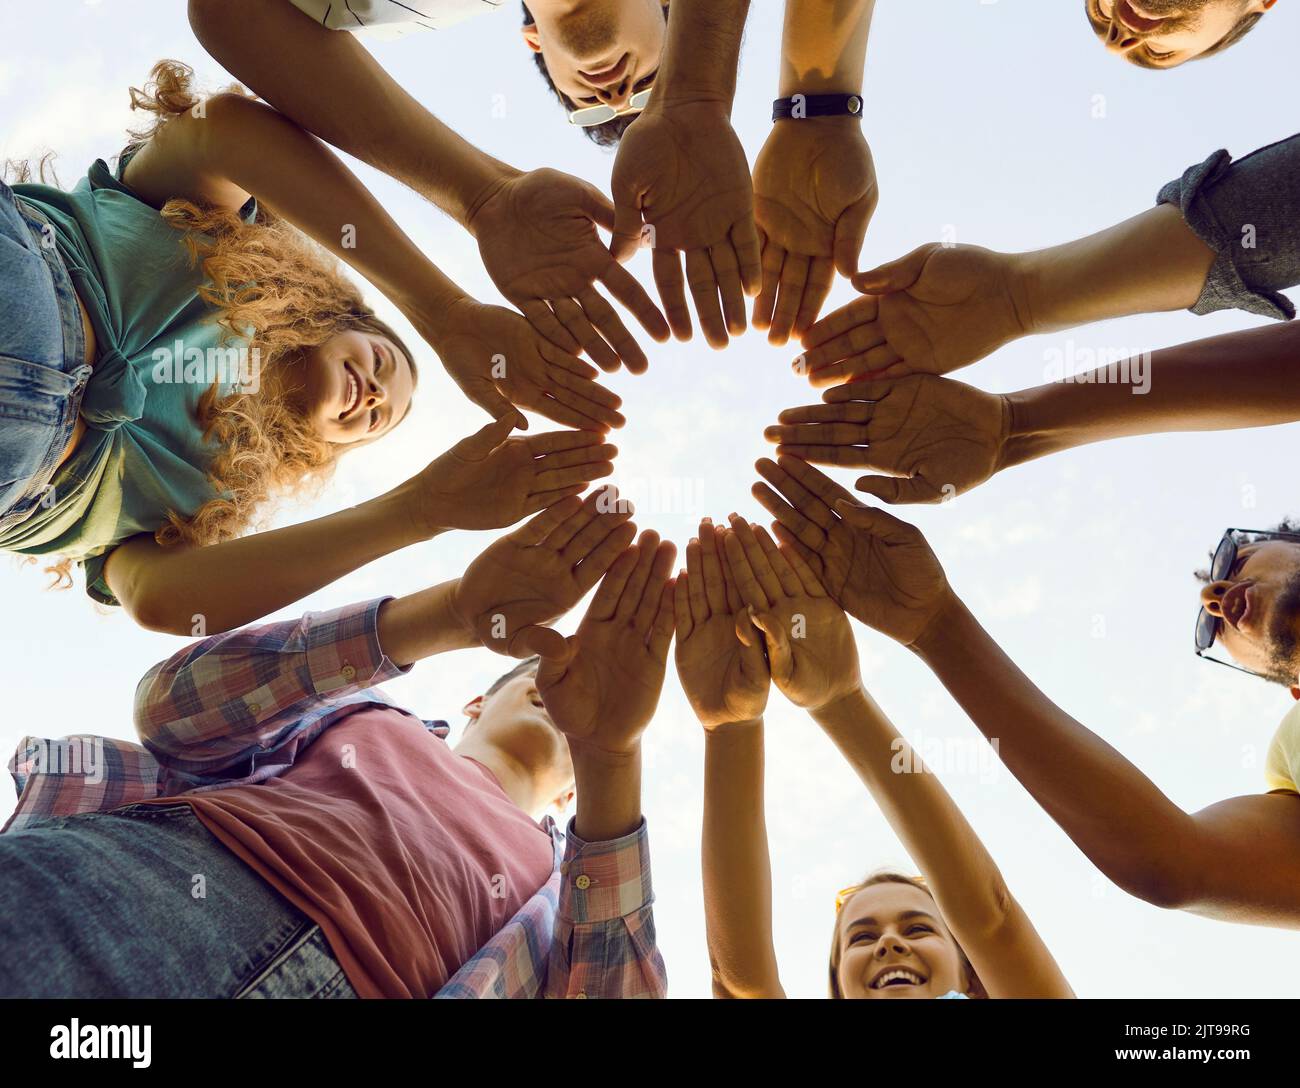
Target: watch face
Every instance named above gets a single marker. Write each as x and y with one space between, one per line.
855 104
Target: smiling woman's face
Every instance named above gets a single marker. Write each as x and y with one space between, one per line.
1259 606
894 945
355 387
1166 33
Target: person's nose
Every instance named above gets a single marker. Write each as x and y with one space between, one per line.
615 94
375 394
1212 597
891 944
1119 39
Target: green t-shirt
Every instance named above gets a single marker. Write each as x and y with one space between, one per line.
159 350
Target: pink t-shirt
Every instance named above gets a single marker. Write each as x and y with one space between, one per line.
408 856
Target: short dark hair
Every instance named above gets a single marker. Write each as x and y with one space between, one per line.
524 668
607 135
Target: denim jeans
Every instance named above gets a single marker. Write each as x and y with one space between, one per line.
42 347
144 901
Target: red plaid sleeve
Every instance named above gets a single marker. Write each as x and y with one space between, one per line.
243 699
604 926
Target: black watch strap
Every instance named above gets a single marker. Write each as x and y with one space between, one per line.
799 106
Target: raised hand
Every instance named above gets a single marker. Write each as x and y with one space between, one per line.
933 437
937 309
602 684
724 675
681 177
537 235
878 569
490 480
814 195
501 363
537 573
810 648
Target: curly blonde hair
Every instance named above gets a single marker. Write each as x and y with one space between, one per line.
278 292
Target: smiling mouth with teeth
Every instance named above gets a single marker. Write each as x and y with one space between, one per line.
900 976
354 394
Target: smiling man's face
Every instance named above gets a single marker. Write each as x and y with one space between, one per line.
1258 606
894 945
599 52
1166 33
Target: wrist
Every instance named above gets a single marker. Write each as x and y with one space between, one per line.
415 510
833 709
945 624
1030 288
731 727
489 187
608 788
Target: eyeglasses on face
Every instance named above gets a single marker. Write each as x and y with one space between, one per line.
1225 558
590 116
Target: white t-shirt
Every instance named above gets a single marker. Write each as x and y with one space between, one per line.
391 19
1282 764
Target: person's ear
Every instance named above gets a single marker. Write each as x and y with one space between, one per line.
531 37
473 708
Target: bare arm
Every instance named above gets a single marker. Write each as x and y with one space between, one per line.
736 866
824 45
280 53
1238 860
1008 954
1149 263
702 52
240 147
206 590
1239 379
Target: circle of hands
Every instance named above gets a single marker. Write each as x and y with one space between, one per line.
749 609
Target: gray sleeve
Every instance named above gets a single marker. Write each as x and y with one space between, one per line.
1248 212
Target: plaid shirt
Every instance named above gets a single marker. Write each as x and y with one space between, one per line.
235 709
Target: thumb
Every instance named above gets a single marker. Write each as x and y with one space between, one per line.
626 235
893 489
485 395
850 233
601 209
544 642
896 275
778 643
873 520
487 438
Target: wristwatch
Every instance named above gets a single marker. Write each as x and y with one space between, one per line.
799 106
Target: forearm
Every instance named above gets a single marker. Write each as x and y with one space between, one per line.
1109 808
207 590
1149 263
608 788
824 46
422 624
267 155
736 868
965 880
1241 379
702 52
278 52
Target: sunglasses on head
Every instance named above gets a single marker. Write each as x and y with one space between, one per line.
1225 558
590 116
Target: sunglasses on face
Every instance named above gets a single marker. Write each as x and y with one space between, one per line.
590 116
1225 558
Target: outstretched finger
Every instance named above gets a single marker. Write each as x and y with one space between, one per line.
667 265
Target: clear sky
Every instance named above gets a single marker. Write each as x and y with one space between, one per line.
1003 121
